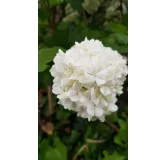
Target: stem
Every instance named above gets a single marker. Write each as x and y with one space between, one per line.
50 101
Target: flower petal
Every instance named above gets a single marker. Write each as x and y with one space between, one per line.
102 118
100 81
67 104
90 110
98 111
102 74
77 86
57 90
105 90
113 107
74 98
60 67
84 114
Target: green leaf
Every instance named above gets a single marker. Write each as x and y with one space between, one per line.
44 79
116 28
120 48
121 38
43 145
42 14
54 154
114 156
112 42
60 38
108 41
89 33
46 55
88 132
76 4
62 114
54 2
125 19
41 45
79 32
74 136
57 151
122 137
75 34
61 149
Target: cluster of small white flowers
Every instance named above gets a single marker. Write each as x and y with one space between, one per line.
87 79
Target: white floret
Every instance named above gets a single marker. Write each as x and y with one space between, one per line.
87 79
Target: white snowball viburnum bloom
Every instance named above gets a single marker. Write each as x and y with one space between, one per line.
87 79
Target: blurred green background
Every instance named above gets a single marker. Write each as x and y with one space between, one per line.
61 133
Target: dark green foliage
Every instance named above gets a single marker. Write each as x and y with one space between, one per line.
61 132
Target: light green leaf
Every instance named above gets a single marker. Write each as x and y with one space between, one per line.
54 154
61 149
43 145
118 141
122 137
46 55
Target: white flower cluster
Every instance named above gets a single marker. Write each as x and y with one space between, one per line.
87 79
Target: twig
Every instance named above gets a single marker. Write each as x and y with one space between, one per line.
113 126
94 141
85 146
80 150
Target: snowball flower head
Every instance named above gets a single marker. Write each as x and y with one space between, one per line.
87 79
